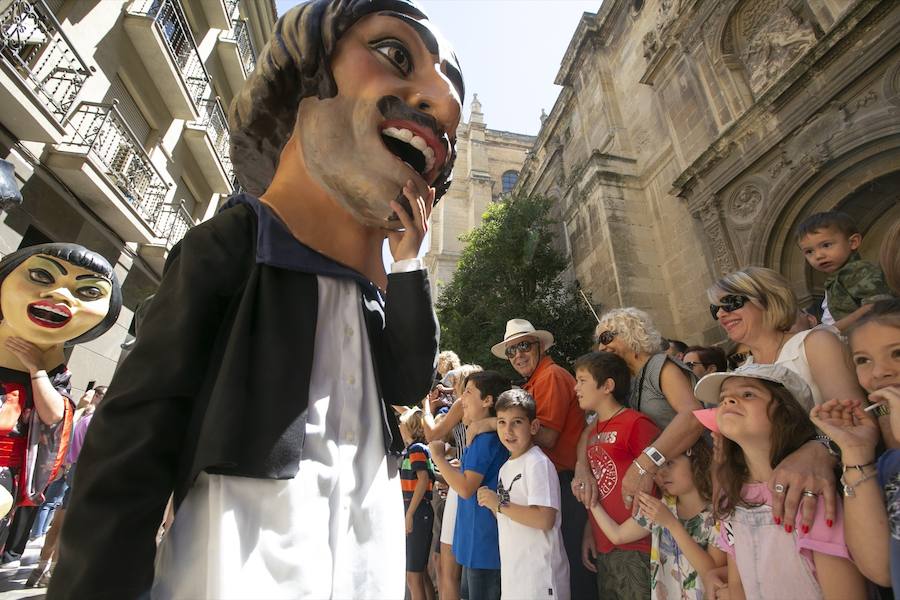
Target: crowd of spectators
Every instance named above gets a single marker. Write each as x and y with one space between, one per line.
762 465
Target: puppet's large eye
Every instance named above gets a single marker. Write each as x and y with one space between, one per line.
90 292
40 276
397 53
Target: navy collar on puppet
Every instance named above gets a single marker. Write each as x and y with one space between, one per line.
277 247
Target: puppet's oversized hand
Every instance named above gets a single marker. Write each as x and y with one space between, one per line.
27 353
405 244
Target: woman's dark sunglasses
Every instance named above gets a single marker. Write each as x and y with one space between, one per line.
729 304
520 347
606 337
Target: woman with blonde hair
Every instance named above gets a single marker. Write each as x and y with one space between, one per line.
661 388
757 307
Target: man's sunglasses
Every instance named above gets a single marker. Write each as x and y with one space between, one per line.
520 347
729 304
606 337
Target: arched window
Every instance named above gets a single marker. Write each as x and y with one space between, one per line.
509 181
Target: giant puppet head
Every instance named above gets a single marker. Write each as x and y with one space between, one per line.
55 294
372 94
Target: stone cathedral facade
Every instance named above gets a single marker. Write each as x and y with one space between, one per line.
691 137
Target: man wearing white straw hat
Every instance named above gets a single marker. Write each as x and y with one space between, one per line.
562 421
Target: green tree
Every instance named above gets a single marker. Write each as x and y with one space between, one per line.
510 269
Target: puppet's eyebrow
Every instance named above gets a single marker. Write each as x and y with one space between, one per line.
58 265
92 276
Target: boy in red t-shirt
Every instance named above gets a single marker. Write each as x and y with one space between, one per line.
618 437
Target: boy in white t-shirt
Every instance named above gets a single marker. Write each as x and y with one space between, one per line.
533 562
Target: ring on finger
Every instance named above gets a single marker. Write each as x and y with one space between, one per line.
629 498
581 484
779 488
809 493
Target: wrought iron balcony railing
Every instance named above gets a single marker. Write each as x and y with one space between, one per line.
173 26
240 34
231 7
32 41
99 132
212 116
176 221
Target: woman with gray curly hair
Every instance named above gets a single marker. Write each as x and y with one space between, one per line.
661 388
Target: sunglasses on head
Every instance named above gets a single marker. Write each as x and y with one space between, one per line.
520 347
728 303
606 337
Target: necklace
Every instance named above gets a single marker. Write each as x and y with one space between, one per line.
608 421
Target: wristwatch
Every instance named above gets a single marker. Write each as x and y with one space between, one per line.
882 410
655 456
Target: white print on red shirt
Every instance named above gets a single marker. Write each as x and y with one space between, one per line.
604 469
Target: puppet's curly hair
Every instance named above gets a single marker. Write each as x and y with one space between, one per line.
294 65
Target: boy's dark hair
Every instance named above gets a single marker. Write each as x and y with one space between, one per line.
824 220
679 345
517 398
606 365
710 355
489 383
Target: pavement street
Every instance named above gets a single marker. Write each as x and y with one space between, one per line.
13 580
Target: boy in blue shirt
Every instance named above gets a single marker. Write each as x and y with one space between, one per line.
475 541
830 243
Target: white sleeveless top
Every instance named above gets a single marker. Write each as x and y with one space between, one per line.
793 357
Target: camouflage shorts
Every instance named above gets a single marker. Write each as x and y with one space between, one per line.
623 575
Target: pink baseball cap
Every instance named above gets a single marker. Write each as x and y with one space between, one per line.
707 418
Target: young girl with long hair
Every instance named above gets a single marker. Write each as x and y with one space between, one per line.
871 483
762 417
682 527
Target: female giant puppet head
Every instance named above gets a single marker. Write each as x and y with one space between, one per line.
369 113
56 294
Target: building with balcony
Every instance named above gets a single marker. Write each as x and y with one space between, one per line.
113 114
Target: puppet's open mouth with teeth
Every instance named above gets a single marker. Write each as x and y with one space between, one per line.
415 146
48 314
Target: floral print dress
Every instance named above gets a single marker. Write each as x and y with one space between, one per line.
672 577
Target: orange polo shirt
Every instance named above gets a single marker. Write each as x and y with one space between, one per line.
553 390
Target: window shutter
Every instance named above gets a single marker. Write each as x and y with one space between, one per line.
129 109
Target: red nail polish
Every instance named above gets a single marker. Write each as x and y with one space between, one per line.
829 522
778 520
805 528
789 528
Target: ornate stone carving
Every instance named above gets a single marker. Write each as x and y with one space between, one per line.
651 44
707 211
779 42
745 204
668 10
810 145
